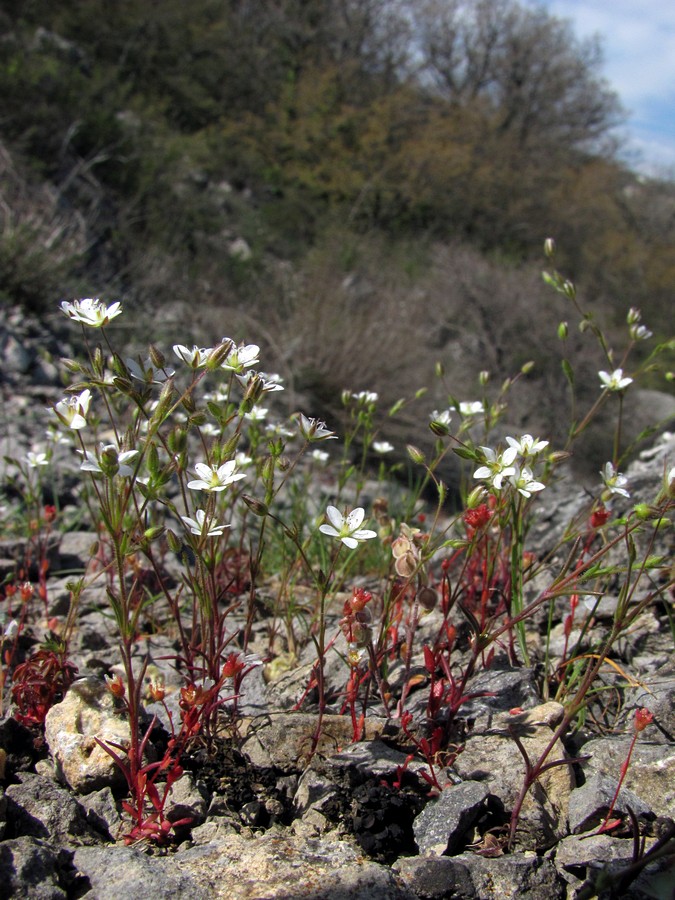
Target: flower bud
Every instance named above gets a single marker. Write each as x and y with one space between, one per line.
415 454
427 598
634 316
440 429
257 507
483 377
173 541
527 367
569 290
563 331
476 497
219 354
439 369
549 248
157 358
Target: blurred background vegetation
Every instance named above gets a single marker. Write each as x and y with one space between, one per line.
361 186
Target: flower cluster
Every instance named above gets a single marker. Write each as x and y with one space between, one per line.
510 467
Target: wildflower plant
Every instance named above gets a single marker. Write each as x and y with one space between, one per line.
184 459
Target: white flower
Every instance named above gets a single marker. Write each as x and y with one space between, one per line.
527 446
347 528
497 467
215 478
257 414
195 358
145 371
91 312
200 526
241 357
72 411
11 630
319 456
640 332
115 461
382 447
364 398
471 408
523 481
270 383
614 381
314 429
33 459
614 481
242 460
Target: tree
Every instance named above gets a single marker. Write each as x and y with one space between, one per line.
521 64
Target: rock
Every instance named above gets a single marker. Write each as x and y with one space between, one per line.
505 688
102 813
514 877
29 868
286 740
491 756
3 814
125 873
436 877
584 856
185 800
37 807
590 803
278 865
650 775
443 824
86 712
472 877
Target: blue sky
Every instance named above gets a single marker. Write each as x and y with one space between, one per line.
638 42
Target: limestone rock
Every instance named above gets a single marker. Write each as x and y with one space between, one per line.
443 824
491 756
86 712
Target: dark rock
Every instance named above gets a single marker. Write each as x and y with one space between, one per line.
29 868
437 878
443 824
514 877
37 807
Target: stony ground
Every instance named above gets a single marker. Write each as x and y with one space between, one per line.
274 816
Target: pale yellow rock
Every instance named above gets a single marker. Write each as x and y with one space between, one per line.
86 712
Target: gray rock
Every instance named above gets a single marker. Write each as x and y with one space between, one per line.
29 869
102 813
124 873
509 688
491 756
443 824
590 803
186 800
87 712
288 740
37 807
514 877
437 877
374 758
650 775
658 696
591 852
313 791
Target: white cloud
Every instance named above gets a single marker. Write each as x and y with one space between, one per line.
638 41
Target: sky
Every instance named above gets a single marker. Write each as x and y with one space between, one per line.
638 42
